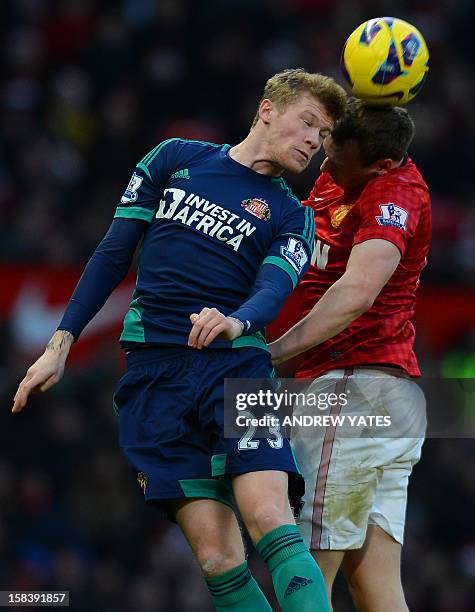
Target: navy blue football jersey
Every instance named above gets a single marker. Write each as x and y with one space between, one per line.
212 224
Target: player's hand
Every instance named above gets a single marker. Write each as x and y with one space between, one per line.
46 371
211 324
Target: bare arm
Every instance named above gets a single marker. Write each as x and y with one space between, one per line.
46 371
370 266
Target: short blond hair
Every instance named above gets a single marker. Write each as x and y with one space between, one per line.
285 87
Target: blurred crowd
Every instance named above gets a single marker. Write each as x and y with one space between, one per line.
72 515
86 90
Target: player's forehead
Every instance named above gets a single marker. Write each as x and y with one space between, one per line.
307 103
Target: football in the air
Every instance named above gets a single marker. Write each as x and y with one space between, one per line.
385 61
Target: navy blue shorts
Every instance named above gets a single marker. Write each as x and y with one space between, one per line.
170 405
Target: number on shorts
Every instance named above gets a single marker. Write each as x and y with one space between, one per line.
278 440
247 443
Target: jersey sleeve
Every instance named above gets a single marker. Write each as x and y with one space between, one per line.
269 292
390 212
105 270
292 248
143 193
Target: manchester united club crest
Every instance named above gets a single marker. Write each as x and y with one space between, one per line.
142 480
258 208
339 214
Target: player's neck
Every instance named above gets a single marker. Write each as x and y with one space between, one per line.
252 153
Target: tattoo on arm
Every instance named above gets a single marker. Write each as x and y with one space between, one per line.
60 340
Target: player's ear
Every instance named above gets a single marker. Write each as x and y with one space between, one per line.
382 166
266 107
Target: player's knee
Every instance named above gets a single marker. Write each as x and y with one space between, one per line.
362 586
214 563
266 517
357 588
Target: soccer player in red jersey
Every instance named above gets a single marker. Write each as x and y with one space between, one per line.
354 309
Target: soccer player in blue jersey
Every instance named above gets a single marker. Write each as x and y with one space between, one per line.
224 242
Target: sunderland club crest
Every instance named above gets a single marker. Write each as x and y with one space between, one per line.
258 208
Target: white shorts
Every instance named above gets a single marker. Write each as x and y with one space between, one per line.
356 475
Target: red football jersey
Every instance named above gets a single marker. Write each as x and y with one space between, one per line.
395 207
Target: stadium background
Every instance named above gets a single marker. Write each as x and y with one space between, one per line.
86 89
